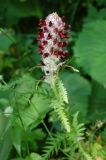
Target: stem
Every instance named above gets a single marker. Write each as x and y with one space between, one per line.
46 128
63 116
53 86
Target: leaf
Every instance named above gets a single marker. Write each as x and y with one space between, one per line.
97 105
5 147
6 39
101 2
78 90
34 156
90 49
61 114
53 145
24 9
62 91
18 91
78 127
18 159
16 138
3 102
22 90
16 9
93 13
35 112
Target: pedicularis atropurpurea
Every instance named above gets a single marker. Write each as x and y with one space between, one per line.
53 39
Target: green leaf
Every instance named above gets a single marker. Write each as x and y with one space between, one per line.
62 91
90 49
35 112
34 156
53 145
22 90
93 13
16 138
3 123
97 105
5 147
78 90
18 159
6 39
24 9
101 2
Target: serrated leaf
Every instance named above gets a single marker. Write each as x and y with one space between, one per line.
62 91
90 49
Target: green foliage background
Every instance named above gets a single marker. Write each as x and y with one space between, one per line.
18 55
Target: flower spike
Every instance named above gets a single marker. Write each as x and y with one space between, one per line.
52 42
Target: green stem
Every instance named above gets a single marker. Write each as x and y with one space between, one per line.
56 94
53 86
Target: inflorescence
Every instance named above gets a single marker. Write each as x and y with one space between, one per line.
52 39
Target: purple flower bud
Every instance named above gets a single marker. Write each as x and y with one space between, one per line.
52 40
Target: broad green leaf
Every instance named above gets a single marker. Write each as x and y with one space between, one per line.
3 123
78 90
5 147
31 137
22 90
16 9
35 112
16 135
97 105
34 156
24 9
90 49
93 13
3 102
6 39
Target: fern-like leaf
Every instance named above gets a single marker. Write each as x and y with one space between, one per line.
60 111
77 135
52 146
62 91
78 128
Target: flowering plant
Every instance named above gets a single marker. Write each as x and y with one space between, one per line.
61 116
52 42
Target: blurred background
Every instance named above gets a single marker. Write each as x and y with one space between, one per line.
87 47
